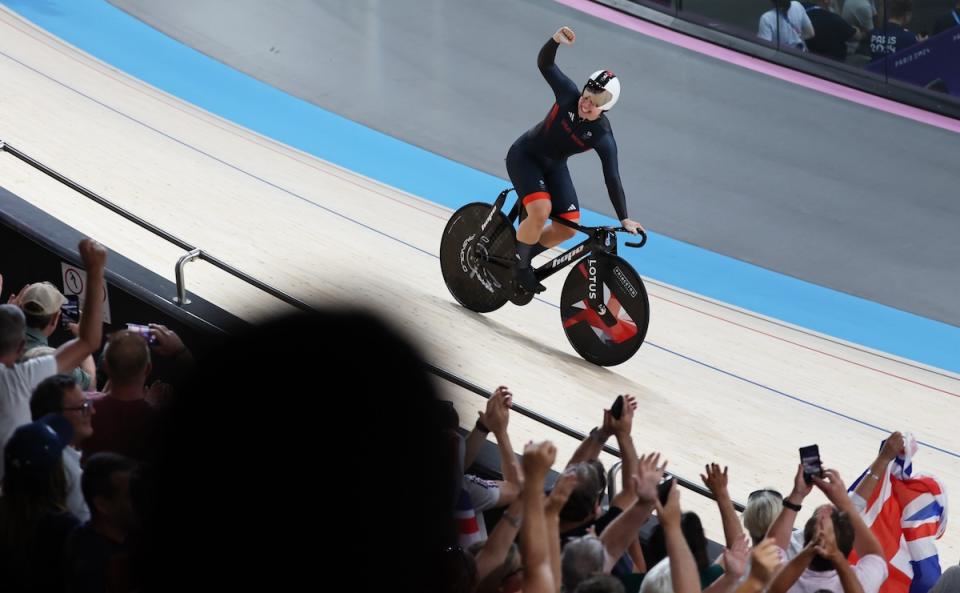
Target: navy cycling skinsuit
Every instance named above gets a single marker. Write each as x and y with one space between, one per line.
537 161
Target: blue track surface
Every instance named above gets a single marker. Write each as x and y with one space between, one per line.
129 45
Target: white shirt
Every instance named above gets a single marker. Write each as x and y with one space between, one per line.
871 571
793 28
71 467
16 386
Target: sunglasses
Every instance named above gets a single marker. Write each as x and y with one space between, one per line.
757 493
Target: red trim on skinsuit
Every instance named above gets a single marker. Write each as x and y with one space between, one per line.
551 116
537 195
574 216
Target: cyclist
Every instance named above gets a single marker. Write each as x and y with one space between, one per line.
537 161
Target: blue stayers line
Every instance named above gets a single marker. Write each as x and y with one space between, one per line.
589 219
133 47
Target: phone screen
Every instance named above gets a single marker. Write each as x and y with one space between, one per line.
810 458
70 311
144 331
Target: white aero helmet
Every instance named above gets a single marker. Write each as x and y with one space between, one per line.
604 84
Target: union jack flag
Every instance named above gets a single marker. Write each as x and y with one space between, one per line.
467 527
907 512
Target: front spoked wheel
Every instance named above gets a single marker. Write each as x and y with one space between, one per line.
476 253
604 309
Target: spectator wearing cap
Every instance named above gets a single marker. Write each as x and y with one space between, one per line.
96 550
34 522
60 394
18 379
42 306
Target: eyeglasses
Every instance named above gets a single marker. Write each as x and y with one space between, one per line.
757 493
85 408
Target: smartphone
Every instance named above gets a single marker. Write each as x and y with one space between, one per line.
70 311
144 331
663 489
617 408
810 458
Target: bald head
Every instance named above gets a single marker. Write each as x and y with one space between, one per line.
12 329
127 358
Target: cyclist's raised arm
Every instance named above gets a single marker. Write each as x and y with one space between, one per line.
563 87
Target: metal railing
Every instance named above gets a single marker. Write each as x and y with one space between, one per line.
194 253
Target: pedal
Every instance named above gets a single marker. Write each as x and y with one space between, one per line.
519 296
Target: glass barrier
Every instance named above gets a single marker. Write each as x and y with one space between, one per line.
912 43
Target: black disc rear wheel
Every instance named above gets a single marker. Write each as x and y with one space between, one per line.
476 253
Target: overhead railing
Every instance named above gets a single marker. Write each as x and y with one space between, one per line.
193 253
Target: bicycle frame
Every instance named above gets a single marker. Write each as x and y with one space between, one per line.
599 240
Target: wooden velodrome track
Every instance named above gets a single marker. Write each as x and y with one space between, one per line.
714 382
